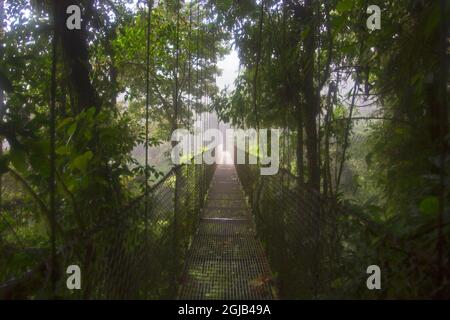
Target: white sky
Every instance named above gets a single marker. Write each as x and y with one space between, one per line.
230 68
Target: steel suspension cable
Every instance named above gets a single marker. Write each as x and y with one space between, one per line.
177 61
204 101
52 125
198 65
197 100
255 77
189 106
177 172
147 106
2 105
214 75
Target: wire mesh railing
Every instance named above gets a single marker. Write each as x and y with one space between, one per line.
135 253
298 229
226 260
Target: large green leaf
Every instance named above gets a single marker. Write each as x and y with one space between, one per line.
82 161
18 159
429 205
345 5
4 161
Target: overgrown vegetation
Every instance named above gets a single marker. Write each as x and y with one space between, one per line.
364 117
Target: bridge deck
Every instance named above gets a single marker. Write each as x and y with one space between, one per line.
226 260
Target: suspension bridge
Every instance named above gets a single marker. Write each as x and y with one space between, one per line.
218 231
201 232
226 260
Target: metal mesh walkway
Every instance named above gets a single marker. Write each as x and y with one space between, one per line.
226 260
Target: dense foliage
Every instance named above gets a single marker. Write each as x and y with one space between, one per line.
100 112
365 119
364 115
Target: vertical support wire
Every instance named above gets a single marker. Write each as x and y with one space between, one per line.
178 170
204 95
214 83
198 101
52 180
177 61
255 80
147 108
189 107
2 105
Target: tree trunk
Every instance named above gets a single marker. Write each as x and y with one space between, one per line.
437 95
76 56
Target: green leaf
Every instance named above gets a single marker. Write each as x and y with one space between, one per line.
62 123
82 161
304 34
4 161
368 158
432 21
5 83
63 150
18 159
429 205
72 129
90 113
344 5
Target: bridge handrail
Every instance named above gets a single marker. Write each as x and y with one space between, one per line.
300 229
35 278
